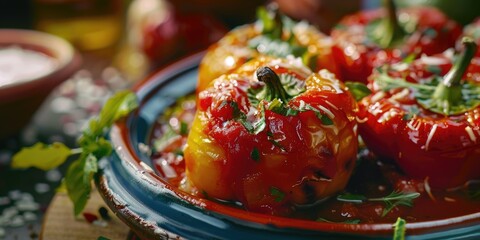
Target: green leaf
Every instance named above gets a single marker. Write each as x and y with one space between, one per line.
276 47
412 111
395 199
387 83
44 157
102 238
267 18
277 194
93 146
277 106
469 100
99 146
358 90
399 229
90 168
292 85
77 187
118 106
392 200
353 198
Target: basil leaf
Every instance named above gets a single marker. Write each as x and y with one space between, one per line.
99 146
358 90
77 187
90 168
44 157
115 108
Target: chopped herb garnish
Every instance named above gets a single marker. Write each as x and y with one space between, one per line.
324 118
395 199
255 154
446 95
353 198
434 69
277 194
392 200
348 221
474 193
399 229
409 58
277 38
358 90
412 112
274 142
277 144
183 128
277 106
165 140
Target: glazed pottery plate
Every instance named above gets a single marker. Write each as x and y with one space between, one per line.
154 209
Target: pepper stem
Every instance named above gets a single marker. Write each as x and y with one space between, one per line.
388 31
450 90
274 87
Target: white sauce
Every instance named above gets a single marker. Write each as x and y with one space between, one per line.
18 65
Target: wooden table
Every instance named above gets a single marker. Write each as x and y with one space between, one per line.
60 224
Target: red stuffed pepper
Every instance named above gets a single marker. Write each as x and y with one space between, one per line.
272 35
372 38
272 136
426 117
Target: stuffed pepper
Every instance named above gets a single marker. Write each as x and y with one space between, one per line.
426 117
372 38
274 35
272 136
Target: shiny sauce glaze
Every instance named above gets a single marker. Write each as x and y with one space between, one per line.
372 179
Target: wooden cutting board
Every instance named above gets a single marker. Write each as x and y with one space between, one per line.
59 222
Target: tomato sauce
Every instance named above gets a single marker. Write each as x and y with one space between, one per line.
371 179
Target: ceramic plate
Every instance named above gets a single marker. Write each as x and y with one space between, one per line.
156 210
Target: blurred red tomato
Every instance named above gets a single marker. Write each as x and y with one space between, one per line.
169 34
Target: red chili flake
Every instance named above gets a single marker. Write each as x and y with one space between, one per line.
90 217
